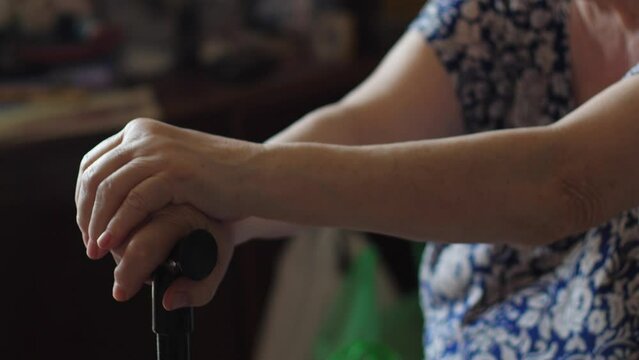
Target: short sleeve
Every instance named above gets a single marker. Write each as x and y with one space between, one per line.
438 18
503 57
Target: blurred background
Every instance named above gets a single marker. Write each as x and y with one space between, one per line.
75 71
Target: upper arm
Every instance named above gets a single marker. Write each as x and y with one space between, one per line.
410 96
599 145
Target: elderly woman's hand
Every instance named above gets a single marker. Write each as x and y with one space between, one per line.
149 165
150 244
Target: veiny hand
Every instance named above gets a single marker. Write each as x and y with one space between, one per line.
150 245
149 165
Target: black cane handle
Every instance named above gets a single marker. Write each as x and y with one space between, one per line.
194 257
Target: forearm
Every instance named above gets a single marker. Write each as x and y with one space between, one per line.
354 122
337 123
329 124
492 187
408 97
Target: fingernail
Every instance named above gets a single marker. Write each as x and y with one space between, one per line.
180 300
104 240
118 292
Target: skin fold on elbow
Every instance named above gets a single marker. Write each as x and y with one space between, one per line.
566 201
568 208
581 205
573 205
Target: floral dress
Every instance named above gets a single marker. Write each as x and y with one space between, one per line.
577 298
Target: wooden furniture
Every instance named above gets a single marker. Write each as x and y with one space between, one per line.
57 302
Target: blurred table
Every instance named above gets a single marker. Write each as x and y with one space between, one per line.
57 302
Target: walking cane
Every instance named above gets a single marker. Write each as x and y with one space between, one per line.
195 257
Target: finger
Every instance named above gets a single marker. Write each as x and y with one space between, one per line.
94 154
117 257
146 198
92 178
185 292
146 250
112 192
88 159
94 252
117 251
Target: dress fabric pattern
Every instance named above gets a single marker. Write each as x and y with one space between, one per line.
577 298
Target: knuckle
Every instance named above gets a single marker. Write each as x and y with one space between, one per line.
144 133
119 275
84 161
120 151
89 179
142 124
137 122
136 201
103 191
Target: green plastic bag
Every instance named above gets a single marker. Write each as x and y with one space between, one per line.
356 328
363 350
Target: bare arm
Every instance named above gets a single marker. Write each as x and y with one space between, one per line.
599 154
522 186
408 97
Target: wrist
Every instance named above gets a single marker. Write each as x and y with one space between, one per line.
221 179
259 180
244 186
298 182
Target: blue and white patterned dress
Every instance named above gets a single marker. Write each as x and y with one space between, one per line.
575 299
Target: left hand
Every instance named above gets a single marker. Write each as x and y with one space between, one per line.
149 165
149 246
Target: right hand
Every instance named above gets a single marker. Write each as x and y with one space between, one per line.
150 165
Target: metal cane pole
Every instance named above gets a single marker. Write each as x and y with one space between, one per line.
195 257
